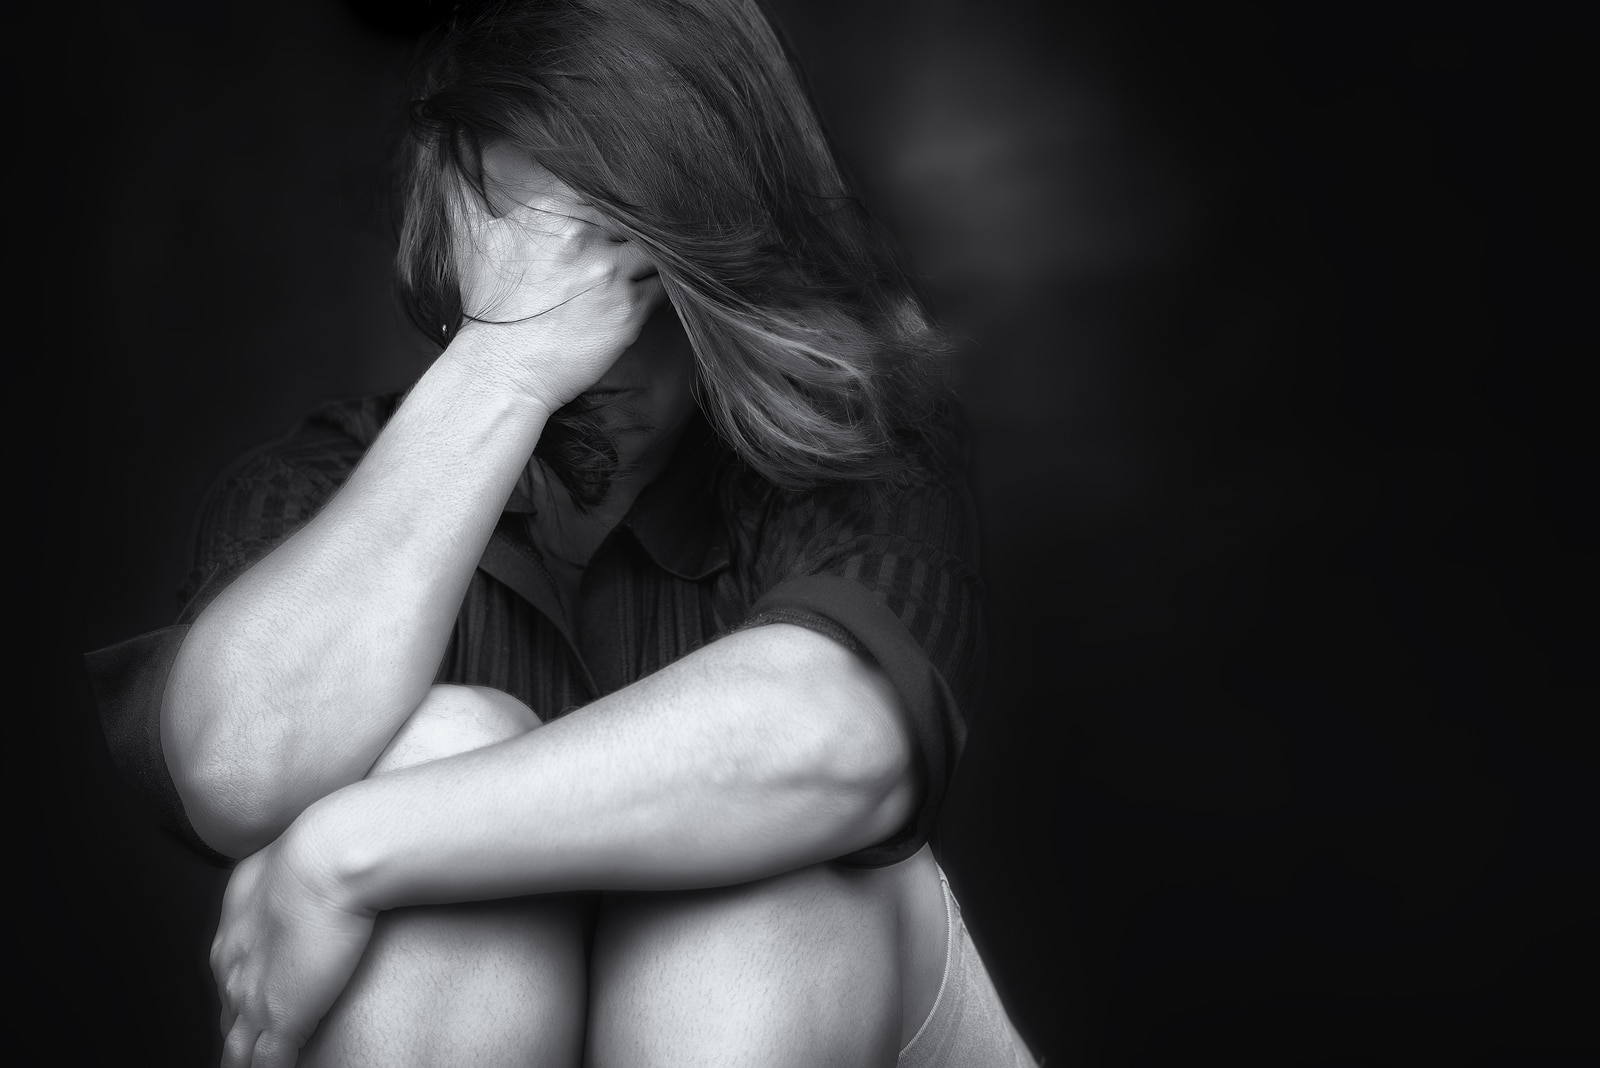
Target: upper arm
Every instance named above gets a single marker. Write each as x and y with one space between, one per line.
255 506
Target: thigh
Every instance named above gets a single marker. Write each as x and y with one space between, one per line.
827 965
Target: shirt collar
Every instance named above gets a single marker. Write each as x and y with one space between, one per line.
677 519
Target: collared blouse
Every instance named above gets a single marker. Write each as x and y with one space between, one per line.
708 548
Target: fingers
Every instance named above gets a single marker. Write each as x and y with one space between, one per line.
514 182
219 975
547 253
248 1048
275 1050
651 292
556 219
238 1049
515 213
466 211
633 262
625 270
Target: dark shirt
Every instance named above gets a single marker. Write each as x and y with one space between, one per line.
708 548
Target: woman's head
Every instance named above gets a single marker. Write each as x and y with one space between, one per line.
685 122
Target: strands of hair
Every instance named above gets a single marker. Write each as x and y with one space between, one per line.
579 448
685 122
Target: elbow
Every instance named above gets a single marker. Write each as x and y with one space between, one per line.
223 816
862 757
227 799
872 774
855 746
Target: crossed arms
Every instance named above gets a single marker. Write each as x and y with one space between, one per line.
765 751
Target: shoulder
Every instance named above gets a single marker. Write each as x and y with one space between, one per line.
923 520
272 489
336 432
320 450
928 498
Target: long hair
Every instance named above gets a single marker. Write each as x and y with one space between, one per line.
686 123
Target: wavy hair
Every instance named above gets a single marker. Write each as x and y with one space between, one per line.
687 123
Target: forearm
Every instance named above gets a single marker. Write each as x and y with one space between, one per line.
764 752
293 680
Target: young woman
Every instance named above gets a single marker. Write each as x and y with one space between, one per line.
593 702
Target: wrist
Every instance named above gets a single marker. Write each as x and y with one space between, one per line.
478 356
326 854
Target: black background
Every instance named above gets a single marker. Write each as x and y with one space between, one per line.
1275 318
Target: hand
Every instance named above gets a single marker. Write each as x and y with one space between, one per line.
289 941
552 298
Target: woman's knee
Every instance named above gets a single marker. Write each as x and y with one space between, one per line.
802 968
492 982
455 719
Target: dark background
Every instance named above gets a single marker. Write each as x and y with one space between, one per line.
1275 319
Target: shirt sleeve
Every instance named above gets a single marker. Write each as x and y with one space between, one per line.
261 500
892 576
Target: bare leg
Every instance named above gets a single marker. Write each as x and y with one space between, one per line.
485 983
823 966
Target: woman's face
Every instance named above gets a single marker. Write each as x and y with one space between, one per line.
652 382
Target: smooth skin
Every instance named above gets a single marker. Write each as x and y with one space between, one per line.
410 850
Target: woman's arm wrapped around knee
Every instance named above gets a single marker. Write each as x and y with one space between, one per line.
296 677
766 751
293 680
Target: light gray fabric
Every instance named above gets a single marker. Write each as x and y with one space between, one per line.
967 1026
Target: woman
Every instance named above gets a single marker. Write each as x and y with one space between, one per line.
593 703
